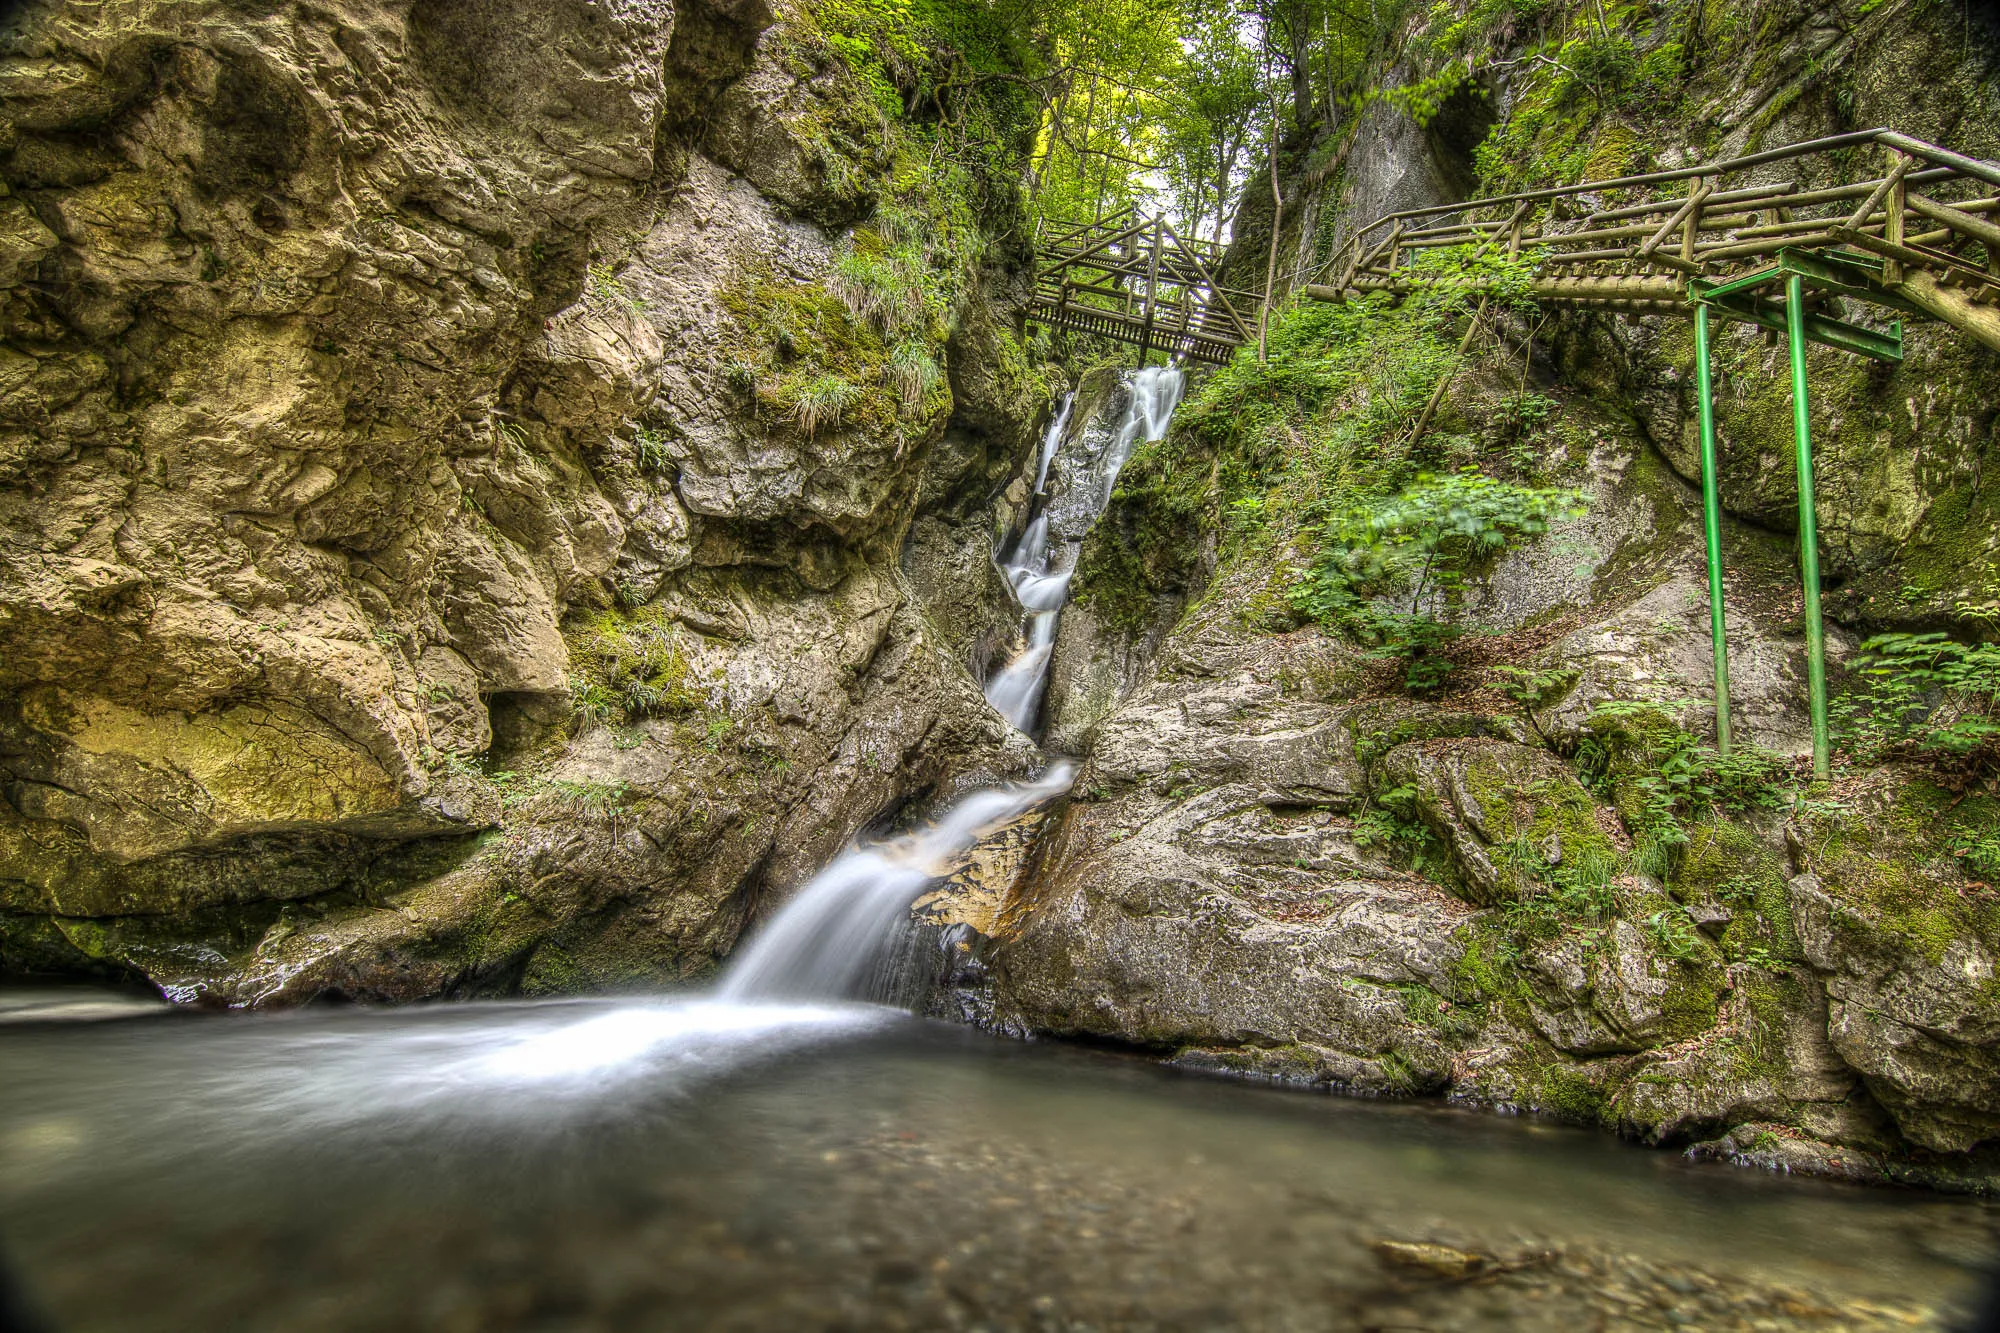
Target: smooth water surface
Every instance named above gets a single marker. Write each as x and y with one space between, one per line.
696 1164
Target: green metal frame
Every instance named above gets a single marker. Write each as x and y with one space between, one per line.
1837 272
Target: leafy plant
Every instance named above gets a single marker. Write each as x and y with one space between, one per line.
591 702
818 401
1673 932
1389 820
1578 891
1929 699
651 448
1534 687
1428 539
1661 776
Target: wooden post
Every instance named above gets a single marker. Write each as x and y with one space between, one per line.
1152 295
1692 226
1892 230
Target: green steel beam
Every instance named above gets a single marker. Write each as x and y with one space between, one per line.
1849 274
1749 282
1808 526
1711 523
1822 329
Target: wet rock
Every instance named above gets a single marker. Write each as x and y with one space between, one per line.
1438 1260
1909 957
365 381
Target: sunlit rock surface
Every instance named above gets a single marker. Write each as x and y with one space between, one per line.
366 413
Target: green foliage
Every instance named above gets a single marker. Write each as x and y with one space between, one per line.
1979 850
1427 538
885 276
956 82
865 350
603 800
632 666
1673 933
1577 892
650 447
1606 63
817 401
1660 777
1535 688
914 372
1422 99
1309 462
1450 31
1928 699
1389 821
603 289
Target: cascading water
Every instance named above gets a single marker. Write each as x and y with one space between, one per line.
832 936
828 938
1042 561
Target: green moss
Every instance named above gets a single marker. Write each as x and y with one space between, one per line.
1891 864
633 663
1486 972
799 335
1572 1094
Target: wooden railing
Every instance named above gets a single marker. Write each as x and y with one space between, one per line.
1924 216
1135 280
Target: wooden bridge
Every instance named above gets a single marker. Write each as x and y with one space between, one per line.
1132 279
1917 237
1786 239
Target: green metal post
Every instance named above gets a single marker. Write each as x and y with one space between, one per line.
1711 522
1795 327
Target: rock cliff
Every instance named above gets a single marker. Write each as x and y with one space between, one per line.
1532 886
455 465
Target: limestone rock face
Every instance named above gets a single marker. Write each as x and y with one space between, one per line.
1909 960
1230 935
1523 889
366 394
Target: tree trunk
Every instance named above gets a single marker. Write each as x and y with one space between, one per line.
1271 265
1302 84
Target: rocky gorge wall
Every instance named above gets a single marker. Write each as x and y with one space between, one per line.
456 460
1532 888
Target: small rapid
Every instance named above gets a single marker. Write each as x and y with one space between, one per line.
1074 478
828 939
832 937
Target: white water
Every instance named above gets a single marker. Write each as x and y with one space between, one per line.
1040 568
828 938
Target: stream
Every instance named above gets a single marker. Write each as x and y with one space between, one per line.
777 1154
694 1164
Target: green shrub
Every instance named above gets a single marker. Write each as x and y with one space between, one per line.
650 447
1928 699
817 401
1426 539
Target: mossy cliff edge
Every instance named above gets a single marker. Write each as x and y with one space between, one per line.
1401 775
455 466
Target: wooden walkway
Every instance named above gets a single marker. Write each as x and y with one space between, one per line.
1891 221
1787 239
1132 279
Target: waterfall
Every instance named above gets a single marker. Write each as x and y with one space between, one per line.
828 938
827 941
1039 566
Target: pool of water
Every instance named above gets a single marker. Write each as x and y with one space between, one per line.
674 1163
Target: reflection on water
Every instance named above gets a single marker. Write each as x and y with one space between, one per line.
698 1164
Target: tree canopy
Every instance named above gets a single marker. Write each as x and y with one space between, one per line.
1158 104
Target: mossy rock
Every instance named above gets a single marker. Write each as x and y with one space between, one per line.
1505 811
